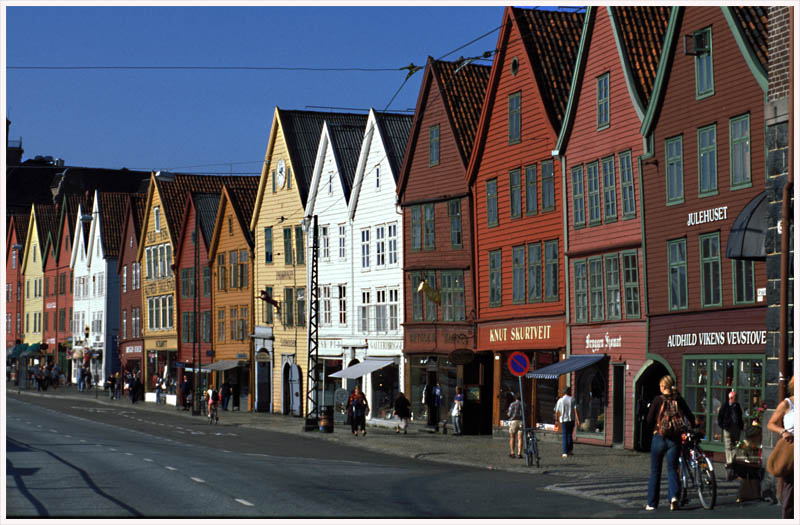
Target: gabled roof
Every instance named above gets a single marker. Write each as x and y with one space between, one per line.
754 22
18 222
242 197
551 39
206 206
112 221
641 32
138 202
46 222
462 97
301 130
345 143
462 94
394 129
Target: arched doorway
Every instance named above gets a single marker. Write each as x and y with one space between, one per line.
291 390
351 383
646 390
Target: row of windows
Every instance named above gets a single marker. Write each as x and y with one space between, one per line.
159 261
326 309
385 246
380 316
59 284
61 320
601 193
136 277
708 184
710 275
98 285
189 327
539 267
37 323
37 288
531 190
187 276
451 296
136 323
160 312
291 311
289 256
239 270
599 291
325 243
423 225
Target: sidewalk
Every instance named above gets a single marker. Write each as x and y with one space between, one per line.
476 451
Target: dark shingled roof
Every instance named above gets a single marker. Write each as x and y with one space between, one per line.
302 131
641 32
139 202
112 221
174 193
551 39
243 199
463 95
206 206
29 183
46 222
346 140
21 226
754 22
394 128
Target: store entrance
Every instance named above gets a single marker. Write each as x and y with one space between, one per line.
646 390
478 389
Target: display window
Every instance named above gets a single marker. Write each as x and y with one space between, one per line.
425 372
591 396
385 387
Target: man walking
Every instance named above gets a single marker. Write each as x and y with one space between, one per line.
730 421
567 416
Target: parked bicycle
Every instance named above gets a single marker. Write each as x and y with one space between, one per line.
697 471
531 447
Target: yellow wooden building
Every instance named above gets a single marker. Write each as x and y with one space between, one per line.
43 218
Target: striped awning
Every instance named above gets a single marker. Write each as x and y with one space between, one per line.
573 363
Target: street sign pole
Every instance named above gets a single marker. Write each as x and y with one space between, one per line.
518 364
522 403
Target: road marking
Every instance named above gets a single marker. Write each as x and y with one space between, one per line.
170 468
148 459
245 502
68 436
54 431
197 480
38 426
128 454
83 441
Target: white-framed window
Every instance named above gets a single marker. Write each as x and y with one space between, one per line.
124 324
380 246
342 305
381 320
392 243
125 278
365 248
326 305
394 309
157 218
324 242
377 177
363 311
162 262
342 242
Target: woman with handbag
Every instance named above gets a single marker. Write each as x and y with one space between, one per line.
357 410
782 423
665 410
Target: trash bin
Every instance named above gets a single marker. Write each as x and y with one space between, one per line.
326 419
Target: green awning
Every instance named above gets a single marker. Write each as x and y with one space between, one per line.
17 350
32 351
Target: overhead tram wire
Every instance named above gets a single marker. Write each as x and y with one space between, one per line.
211 68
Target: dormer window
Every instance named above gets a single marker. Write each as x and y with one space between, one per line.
378 177
602 101
34 253
157 218
433 158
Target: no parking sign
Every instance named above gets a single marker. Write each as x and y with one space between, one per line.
518 364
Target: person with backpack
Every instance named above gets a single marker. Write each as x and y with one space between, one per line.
671 416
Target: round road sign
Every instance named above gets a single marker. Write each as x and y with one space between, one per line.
518 364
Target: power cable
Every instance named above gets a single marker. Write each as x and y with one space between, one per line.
208 68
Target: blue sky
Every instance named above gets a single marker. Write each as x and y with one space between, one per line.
190 120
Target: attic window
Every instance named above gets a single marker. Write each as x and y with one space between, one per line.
330 183
157 218
378 177
230 225
514 66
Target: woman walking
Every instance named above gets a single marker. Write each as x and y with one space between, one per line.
455 412
782 423
358 408
665 445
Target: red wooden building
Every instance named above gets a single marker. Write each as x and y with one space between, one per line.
516 185
194 288
702 176
437 247
600 146
15 241
131 341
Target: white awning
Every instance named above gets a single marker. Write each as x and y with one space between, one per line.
362 369
225 364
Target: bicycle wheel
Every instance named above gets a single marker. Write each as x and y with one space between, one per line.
706 483
684 499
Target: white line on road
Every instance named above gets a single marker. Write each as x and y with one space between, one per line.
68 436
198 480
54 431
148 459
170 468
112 449
245 502
128 454
83 441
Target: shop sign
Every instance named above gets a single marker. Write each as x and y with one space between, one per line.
262 357
284 275
287 342
133 350
519 333
51 305
422 337
522 336
709 215
737 337
462 356
603 343
385 345
161 343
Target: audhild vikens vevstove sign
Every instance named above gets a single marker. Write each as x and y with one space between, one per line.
736 337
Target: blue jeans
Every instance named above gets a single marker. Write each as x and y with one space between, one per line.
456 424
660 447
566 436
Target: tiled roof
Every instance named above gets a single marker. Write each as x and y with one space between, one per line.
243 193
754 22
551 39
346 140
139 201
46 221
642 31
394 128
463 94
112 220
206 206
21 226
302 131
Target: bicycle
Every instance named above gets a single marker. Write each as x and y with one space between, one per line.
531 447
696 469
213 416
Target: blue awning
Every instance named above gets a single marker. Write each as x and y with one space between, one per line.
573 363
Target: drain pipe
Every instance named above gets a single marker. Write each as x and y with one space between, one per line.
783 354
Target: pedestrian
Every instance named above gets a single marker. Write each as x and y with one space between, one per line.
87 378
456 411
54 377
117 386
137 387
567 417
515 427
729 419
402 409
782 423
81 378
664 407
213 403
225 392
438 401
357 410
159 386
185 387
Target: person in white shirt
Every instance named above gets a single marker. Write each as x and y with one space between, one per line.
567 416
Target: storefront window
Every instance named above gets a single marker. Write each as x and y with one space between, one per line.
707 382
591 396
331 366
385 386
425 370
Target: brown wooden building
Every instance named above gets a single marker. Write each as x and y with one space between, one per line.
131 341
517 190
230 258
439 338
703 174
600 146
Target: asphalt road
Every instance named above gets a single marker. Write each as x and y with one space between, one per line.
70 458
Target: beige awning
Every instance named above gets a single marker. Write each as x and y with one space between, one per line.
225 364
361 369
